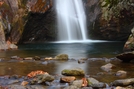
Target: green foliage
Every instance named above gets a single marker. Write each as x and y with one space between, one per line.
112 8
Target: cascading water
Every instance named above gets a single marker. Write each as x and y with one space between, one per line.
71 20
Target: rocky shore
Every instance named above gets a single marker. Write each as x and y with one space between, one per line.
70 78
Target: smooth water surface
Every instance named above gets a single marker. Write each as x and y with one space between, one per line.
74 50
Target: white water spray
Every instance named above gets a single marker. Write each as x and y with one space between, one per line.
71 20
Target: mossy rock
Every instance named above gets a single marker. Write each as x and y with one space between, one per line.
73 72
61 57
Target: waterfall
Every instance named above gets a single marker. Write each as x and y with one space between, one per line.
71 20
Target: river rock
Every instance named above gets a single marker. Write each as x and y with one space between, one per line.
24 83
82 60
73 72
48 58
61 57
13 81
77 83
13 46
123 82
14 57
28 58
67 79
121 73
37 58
95 83
126 56
108 67
42 78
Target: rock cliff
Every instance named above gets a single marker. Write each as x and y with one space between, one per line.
27 21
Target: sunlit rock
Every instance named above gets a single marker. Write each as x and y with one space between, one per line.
48 58
73 72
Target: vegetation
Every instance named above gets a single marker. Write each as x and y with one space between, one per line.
115 8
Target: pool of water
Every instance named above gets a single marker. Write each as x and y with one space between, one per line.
74 50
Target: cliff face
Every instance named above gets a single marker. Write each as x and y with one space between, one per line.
116 28
40 26
14 15
27 21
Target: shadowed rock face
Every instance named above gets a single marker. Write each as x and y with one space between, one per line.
15 14
40 27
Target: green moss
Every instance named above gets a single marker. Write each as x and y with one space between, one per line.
62 57
72 72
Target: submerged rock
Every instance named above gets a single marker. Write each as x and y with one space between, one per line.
73 72
61 57
126 57
108 67
14 57
121 73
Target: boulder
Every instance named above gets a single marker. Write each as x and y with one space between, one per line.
95 83
73 72
42 78
123 82
61 57
129 45
126 56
